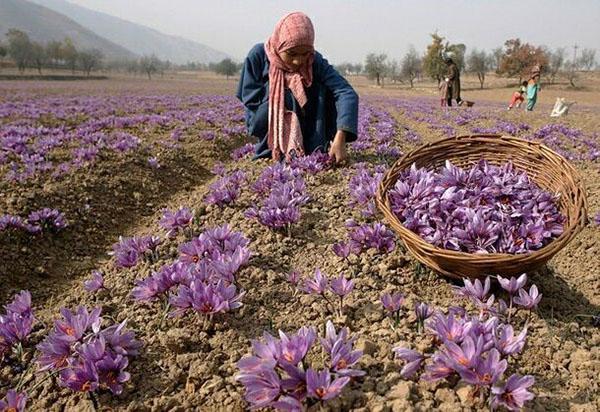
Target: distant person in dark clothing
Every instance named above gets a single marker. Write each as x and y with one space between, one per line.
452 79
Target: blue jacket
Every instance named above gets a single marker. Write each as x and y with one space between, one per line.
332 103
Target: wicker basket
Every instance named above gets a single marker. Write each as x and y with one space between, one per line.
545 167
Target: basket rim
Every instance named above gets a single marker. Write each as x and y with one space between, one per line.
571 229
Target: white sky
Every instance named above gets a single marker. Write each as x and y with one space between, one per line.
346 30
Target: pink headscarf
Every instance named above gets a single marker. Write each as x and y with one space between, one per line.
284 135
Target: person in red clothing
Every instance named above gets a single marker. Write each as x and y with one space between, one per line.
518 96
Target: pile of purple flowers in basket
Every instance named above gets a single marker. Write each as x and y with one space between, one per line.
484 209
280 373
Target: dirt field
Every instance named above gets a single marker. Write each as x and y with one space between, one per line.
184 365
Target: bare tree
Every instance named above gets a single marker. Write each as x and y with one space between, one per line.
587 60
90 60
556 61
226 67
375 66
411 65
19 48
497 54
39 58
149 65
479 62
69 54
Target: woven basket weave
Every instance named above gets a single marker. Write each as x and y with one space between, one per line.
546 168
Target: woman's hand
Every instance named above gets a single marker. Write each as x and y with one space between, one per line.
337 151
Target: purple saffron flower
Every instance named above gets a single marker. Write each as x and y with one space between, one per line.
294 277
206 298
80 377
342 249
475 290
341 286
507 343
121 341
55 351
447 328
392 302
21 304
528 300
340 350
423 311
95 283
153 163
261 388
111 373
94 350
73 325
317 285
266 355
295 347
413 361
513 285
319 385
439 368
466 355
173 222
47 218
14 401
513 394
486 372
288 403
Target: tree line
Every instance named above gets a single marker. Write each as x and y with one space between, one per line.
514 59
28 54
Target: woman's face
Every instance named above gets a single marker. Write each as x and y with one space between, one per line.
296 56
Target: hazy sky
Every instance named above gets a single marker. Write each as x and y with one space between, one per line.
346 30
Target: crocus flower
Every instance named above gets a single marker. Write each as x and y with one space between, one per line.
173 222
475 290
507 343
95 283
294 277
423 311
392 302
342 249
317 285
112 374
528 300
413 361
486 371
513 285
341 286
80 377
14 401
261 388
295 347
319 385
513 394
467 354
439 368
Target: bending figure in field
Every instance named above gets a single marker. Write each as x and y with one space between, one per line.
296 102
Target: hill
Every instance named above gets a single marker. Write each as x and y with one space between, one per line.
135 37
43 24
